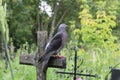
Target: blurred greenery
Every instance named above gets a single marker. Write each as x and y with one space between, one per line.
94 28
21 72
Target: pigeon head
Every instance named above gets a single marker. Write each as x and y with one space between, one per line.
62 27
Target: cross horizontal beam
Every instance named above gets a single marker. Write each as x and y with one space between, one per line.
28 59
71 73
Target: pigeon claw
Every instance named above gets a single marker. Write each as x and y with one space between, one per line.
57 56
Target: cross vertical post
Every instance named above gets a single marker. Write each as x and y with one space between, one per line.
41 41
75 64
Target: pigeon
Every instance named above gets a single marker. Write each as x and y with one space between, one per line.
55 45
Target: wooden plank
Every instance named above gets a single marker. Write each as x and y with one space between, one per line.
27 59
57 62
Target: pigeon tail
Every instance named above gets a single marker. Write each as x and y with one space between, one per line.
44 57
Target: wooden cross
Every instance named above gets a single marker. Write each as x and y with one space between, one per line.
28 59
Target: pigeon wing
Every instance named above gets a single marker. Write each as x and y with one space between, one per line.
52 47
54 44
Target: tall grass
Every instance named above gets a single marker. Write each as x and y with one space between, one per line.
5 34
21 72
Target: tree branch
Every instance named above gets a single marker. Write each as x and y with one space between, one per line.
37 14
62 17
53 20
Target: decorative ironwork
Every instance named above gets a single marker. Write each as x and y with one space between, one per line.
75 69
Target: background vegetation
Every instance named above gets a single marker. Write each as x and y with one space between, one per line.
94 28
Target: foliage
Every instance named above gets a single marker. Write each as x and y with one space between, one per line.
92 25
5 34
97 45
3 25
98 31
21 21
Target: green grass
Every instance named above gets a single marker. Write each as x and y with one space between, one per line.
21 72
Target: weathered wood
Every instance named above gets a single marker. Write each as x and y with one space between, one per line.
42 38
41 41
57 62
27 59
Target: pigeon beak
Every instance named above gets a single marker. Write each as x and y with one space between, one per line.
67 28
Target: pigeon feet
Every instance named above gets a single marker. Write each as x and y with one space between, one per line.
57 56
